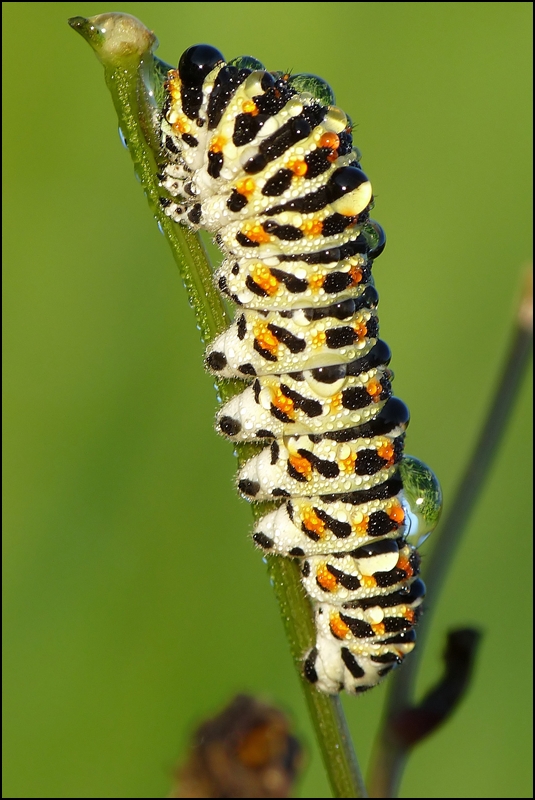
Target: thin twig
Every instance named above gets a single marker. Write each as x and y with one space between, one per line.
124 46
391 750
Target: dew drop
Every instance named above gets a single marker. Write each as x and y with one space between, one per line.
422 499
160 228
122 137
246 62
317 87
375 237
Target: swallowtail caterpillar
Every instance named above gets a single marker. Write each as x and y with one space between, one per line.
265 162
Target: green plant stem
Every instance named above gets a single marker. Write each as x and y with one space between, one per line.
390 752
124 46
325 710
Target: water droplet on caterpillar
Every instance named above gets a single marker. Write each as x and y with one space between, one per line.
317 87
422 499
246 62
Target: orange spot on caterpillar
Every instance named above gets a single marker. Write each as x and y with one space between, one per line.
298 167
409 615
348 464
262 276
368 581
246 186
312 522
331 140
249 107
265 338
360 329
396 514
217 144
374 388
181 125
403 564
356 275
386 451
301 465
283 403
338 628
378 628
312 227
325 579
256 233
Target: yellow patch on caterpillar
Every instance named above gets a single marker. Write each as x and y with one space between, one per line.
172 84
336 403
316 282
318 339
360 528
347 463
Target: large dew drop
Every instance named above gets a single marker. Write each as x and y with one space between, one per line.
317 87
246 62
423 499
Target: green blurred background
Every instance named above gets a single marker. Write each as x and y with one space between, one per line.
135 602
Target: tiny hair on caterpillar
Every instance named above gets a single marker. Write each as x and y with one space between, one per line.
265 162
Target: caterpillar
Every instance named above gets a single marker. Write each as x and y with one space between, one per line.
265 162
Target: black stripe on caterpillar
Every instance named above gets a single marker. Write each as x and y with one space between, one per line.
265 162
